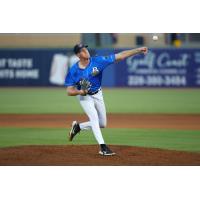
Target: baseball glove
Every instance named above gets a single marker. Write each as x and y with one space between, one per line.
85 84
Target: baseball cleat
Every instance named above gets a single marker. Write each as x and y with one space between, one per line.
105 151
74 130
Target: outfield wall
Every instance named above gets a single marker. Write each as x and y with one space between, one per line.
47 67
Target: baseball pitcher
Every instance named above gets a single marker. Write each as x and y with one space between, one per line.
84 81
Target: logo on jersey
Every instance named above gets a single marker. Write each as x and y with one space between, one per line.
95 71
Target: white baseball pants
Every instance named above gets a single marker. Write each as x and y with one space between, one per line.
94 107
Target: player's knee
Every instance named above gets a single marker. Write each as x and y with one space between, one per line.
102 124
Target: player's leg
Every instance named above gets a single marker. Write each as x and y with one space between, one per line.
77 127
88 106
101 109
85 125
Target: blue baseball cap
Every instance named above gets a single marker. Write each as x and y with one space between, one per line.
78 47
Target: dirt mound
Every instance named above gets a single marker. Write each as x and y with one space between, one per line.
83 155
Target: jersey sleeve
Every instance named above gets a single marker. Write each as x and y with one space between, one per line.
106 60
69 80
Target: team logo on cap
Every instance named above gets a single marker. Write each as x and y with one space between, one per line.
95 71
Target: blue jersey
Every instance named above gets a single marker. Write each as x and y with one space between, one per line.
92 73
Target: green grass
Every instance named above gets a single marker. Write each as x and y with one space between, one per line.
165 139
55 100
34 100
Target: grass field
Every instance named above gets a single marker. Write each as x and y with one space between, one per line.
55 100
173 139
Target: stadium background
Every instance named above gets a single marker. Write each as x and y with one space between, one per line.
152 103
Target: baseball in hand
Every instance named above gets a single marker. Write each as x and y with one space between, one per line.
155 38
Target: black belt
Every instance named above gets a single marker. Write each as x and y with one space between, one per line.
92 93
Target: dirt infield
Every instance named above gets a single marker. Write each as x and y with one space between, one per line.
85 156
166 121
88 155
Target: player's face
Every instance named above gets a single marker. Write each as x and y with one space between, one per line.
84 53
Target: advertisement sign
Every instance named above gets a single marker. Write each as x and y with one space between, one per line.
161 68
34 67
48 67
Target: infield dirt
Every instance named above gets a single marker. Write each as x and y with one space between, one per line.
166 121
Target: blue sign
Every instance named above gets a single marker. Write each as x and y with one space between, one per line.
34 67
48 67
161 68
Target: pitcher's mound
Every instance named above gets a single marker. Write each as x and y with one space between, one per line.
84 155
